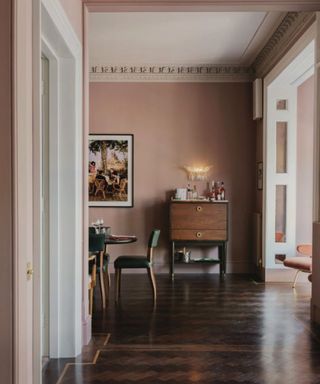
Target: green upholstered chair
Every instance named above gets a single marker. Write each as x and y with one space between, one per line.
97 247
106 256
134 262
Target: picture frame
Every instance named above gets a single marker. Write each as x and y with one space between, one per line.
260 176
110 170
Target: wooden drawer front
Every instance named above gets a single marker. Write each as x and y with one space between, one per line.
200 235
200 216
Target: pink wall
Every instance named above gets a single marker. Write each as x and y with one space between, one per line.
73 9
6 211
305 125
176 124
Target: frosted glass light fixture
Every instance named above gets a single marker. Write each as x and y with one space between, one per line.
199 173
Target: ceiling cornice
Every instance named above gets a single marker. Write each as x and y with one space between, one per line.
170 73
201 5
290 29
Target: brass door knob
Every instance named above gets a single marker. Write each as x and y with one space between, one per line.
198 234
199 208
29 271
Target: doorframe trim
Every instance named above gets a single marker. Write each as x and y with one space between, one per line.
71 63
300 44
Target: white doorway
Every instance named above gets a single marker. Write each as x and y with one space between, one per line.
288 153
58 187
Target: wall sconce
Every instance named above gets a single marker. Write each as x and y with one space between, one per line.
198 173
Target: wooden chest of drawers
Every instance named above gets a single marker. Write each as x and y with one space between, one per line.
199 223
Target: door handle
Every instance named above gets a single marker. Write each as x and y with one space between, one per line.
29 271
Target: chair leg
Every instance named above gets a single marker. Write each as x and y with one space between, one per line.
102 290
106 284
295 279
153 283
101 281
117 287
90 300
108 277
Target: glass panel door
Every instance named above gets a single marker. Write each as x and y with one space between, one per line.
280 174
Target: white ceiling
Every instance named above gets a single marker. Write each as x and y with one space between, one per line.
188 38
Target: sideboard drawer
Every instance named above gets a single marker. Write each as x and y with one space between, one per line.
200 216
198 234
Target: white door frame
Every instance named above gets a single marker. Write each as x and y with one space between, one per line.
301 44
63 49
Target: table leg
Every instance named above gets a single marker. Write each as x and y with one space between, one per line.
222 258
101 278
225 256
172 260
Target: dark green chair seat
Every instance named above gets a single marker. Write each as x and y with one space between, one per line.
132 262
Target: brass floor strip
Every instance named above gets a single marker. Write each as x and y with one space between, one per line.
94 361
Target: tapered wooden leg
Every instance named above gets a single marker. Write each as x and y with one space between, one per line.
117 287
153 283
108 277
295 279
90 300
101 281
106 284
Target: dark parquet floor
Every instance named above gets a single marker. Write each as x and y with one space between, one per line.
202 330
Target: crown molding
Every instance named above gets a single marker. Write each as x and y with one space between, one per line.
290 29
170 73
200 5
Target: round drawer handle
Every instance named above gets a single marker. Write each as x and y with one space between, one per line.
199 209
198 234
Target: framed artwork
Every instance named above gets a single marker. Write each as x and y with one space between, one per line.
260 175
110 170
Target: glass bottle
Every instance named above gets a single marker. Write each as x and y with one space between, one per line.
222 191
194 192
189 192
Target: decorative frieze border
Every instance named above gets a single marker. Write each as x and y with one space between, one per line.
290 29
170 73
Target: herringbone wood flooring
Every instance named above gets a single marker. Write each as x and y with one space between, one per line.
202 330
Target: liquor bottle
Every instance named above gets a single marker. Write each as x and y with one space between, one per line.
189 192
222 191
194 192
213 191
217 191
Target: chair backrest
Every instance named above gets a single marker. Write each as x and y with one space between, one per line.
153 242
96 242
92 231
105 230
305 249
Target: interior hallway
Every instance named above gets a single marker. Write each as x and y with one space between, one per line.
202 330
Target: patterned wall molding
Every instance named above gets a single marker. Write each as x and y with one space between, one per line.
290 29
170 73
288 32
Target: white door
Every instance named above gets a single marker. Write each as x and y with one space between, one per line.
280 200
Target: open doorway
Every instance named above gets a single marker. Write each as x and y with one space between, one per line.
288 137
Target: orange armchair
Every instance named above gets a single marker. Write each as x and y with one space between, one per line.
300 263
